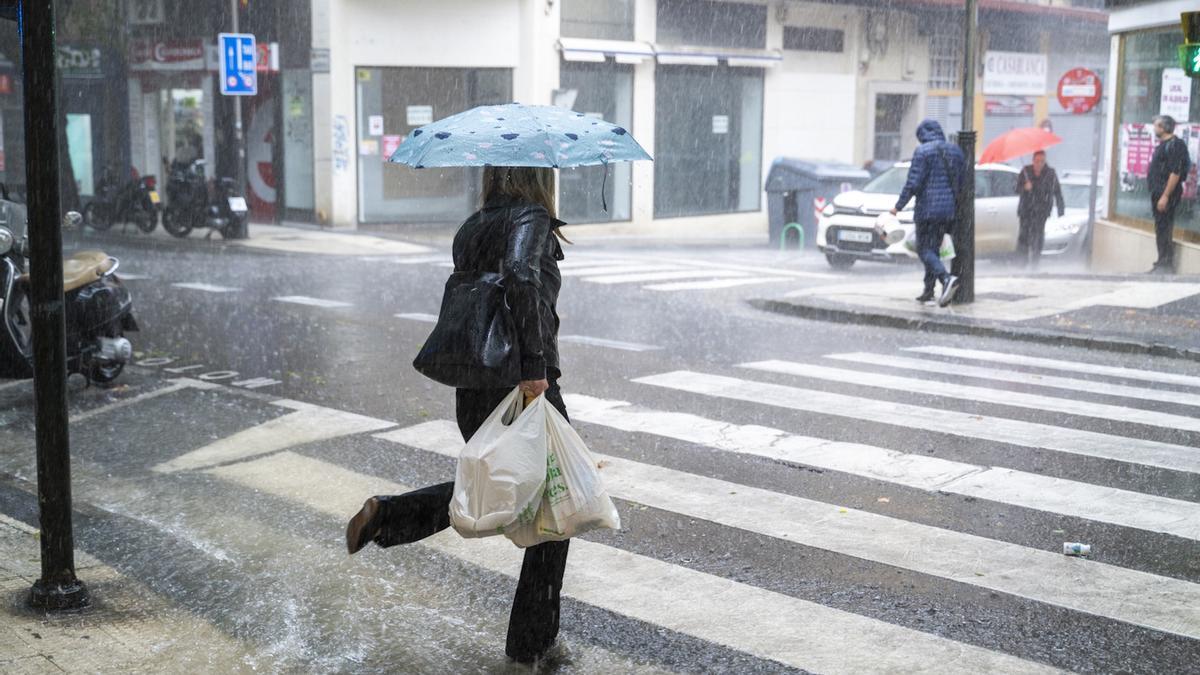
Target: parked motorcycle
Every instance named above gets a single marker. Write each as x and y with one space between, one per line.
134 201
99 309
190 206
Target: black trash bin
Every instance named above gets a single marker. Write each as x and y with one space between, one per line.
794 187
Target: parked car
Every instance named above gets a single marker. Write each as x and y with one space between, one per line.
1065 235
846 230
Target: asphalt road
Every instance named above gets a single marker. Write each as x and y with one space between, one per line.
782 509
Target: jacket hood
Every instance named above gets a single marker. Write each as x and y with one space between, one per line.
929 131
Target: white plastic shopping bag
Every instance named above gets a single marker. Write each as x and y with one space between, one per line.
574 499
501 470
946 252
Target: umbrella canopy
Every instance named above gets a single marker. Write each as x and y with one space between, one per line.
1016 143
518 135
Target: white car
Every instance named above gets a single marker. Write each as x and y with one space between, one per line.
846 229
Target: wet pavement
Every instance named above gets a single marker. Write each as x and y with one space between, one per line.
795 495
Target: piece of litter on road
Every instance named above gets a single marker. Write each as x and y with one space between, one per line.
1075 548
842 511
883 500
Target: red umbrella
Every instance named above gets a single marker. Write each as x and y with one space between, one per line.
1016 143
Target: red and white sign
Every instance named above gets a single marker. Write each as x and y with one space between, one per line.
166 55
390 145
818 206
1079 90
1008 106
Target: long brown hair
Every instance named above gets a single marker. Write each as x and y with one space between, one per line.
533 184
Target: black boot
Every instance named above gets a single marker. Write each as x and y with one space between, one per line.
927 296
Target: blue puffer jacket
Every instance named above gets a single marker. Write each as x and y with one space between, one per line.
927 179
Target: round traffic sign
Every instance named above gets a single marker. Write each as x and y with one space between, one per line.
1079 90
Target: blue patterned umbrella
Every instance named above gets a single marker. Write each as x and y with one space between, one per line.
518 135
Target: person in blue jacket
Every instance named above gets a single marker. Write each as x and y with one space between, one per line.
935 179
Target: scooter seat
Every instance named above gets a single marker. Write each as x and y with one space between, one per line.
81 269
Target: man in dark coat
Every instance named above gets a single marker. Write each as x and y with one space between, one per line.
1169 167
1040 191
935 179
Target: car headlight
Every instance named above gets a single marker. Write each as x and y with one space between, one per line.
1068 226
828 210
6 240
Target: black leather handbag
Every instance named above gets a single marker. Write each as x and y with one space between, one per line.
473 345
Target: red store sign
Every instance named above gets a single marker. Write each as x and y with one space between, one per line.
166 55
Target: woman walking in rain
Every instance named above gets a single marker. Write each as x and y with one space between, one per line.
515 231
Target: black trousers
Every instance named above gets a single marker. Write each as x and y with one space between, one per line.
533 623
1031 237
1164 234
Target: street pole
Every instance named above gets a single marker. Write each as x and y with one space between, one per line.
239 137
964 234
57 588
1097 135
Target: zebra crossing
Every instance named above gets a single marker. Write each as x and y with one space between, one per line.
1106 593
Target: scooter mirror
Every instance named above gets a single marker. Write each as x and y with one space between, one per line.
72 219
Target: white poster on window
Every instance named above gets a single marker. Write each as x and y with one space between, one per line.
375 125
1176 98
418 115
1014 73
720 124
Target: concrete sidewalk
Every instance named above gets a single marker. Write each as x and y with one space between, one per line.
127 629
277 238
1139 314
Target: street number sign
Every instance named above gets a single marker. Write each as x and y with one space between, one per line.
1079 90
237 64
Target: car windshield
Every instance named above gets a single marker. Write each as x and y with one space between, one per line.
1076 196
890 182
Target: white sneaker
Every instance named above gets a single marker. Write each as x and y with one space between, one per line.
949 289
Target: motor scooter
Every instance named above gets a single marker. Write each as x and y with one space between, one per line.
134 201
99 309
189 205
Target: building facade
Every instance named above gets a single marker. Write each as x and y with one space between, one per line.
1149 82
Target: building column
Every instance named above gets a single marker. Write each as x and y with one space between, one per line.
322 129
644 30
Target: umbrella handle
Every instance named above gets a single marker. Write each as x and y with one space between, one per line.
604 189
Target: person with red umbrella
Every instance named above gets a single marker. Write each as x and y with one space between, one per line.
1040 190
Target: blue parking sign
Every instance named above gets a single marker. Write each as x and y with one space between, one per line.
238 61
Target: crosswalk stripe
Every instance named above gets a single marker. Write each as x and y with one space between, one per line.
966 392
312 302
123 276
178 384
748 268
643 277
714 284
745 618
1095 588
207 288
1056 364
621 268
1007 486
966 425
1069 383
418 316
308 424
611 344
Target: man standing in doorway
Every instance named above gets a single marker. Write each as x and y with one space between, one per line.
1039 189
1168 168
935 179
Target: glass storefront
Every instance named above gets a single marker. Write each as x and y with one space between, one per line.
708 140
1150 63
391 103
604 91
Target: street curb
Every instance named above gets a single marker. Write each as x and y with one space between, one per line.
991 330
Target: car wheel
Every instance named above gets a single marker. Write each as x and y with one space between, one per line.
840 261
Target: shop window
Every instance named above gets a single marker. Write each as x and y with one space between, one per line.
605 91
708 140
598 19
712 24
808 39
391 103
1148 55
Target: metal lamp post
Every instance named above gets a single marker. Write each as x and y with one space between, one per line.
58 588
964 234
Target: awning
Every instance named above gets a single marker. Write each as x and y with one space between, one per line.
582 49
712 56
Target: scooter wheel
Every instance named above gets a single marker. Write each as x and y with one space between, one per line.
176 224
104 372
95 219
146 221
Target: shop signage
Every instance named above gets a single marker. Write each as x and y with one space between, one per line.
318 60
79 62
1008 106
1176 98
418 115
390 145
146 12
1136 146
1014 73
720 124
166 55
1079 90
375 125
